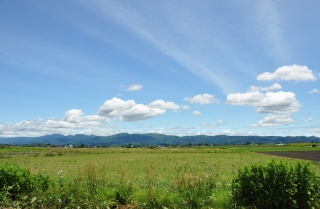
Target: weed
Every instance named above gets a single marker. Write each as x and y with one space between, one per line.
195 190
124 190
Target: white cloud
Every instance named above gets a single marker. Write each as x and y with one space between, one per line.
164 105
115 107
206 125
309 120
134 87
167 105
289 73
275 86
140 112
128 110
203 99
196 112
73 112
209 125
185 107
220 121
271 102
74 120
147 125
235 133
273 120
313 91
314 131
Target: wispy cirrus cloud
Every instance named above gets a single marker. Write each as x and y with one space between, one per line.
191 43
268 21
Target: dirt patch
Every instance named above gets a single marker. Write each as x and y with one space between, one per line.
304 155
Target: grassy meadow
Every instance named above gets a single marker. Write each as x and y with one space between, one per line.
143 177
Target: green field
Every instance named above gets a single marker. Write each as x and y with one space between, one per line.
153 174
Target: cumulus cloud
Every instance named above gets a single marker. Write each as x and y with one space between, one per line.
275 86
134 87
196 112
271 102
128 110
202 99
313 91
309 120
74 120
164 105
289 73
273 120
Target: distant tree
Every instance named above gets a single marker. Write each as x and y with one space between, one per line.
248 143
82 145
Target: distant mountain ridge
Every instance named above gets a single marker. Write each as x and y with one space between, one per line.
151 139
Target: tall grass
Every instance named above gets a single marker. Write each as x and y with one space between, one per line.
139 178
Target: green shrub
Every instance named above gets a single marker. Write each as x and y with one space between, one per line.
277 185
15 181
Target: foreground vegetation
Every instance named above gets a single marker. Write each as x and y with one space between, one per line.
132 178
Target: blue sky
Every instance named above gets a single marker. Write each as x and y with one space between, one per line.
175 67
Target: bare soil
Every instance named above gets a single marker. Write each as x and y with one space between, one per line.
304 155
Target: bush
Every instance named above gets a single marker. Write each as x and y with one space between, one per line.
277 185
15 181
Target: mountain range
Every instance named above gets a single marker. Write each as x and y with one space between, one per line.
151 139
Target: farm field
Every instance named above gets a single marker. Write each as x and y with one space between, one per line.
152 173
303 155
165 162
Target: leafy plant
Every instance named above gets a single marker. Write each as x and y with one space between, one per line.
277 185
16 181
